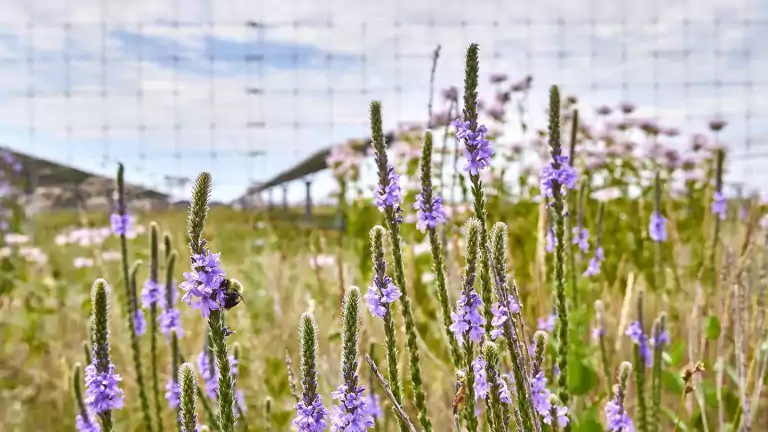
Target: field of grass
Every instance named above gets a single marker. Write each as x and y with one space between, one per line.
703 283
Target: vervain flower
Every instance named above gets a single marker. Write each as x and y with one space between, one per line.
389 195
102 390
203 284
617 418
720 205
120 223
501 314
173 393
662 339
352 413
657 228
374 405
139 322
636 333
565 176
581 238
593 267
380 293
551 240
209 371
150 293
311 418
504 394
481 378
547 324
429 215
467 318
89 424
170 320
540 395
477 149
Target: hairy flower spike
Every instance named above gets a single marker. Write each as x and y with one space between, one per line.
86 420
188 386
616 416
311 415
198 212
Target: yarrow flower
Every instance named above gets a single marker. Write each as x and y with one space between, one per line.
501 314
617 418
203 284
173 393
719 205
636 333
467 318
477 149
581 238
102 389
120 223
657 228
565 176
150 293
88 424
429 215
381 293
312 417
139 322
352 413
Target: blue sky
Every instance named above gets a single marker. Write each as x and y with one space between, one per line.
164 87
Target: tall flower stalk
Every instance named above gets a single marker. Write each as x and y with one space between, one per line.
381 294
311 415
616 415
151 296
352 412
208 289
642 360
85 421
430 216
557 177
468 325
120 221
103 393
478 152
388 200
659 338
188 387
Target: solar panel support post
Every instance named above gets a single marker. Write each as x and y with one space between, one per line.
308 209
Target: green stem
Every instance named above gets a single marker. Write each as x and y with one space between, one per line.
226 380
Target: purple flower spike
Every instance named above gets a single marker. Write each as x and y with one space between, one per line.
565 176
581 238
477 149
617 418
203 284
352 413
429 215
89 424
720 205
636 333
120 223
311 418
500 316
481 379
467 318
593 268
170 320
504 394
547 324
139 322
173 393
657 228
541 395
389 196
150 293
373 404
663 339
102 390
381 293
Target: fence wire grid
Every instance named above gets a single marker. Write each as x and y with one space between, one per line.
245 89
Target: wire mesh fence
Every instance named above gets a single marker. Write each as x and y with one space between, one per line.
246 89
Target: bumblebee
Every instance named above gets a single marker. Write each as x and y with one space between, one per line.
232 293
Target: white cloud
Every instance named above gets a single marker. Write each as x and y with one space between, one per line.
605 44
